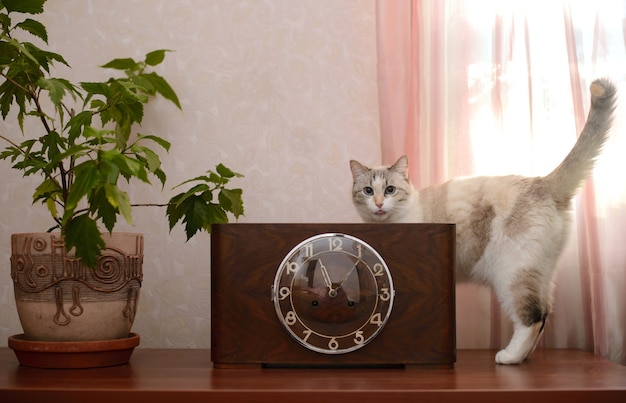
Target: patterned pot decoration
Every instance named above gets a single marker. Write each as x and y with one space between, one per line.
59 299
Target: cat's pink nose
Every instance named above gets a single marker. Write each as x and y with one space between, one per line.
379 205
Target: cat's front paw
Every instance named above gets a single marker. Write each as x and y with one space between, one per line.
507 358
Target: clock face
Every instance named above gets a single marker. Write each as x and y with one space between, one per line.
333 293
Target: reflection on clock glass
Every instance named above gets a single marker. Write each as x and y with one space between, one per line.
337 302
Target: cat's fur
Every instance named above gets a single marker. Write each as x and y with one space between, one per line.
510 230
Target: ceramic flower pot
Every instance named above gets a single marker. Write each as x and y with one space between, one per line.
59 299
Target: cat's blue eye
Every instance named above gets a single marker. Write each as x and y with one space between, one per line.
368 191
389 190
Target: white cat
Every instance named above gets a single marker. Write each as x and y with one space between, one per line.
510 230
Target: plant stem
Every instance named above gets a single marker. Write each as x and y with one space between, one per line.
8 140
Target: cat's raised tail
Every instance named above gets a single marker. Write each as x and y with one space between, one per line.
576 167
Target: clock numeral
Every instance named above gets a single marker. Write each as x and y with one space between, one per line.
359 250
358 337
384 295
292 268
335 244
333 344
291 318
283 293
375 319
308 250
307 334
378 270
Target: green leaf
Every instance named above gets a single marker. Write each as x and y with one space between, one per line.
52 144
160 174
75 151
151 158
95 88
76 124
197 178
99 205
217 178
200 188
227 172
5 20
146 86
97 104
196 212
173 212
24 6
195 206
155 57
10 152
110 171
56 88
83 235
162 88
197 215
22 49
43 57
46 190
160 141
8 53
231 200
91 132
119 200
86 177
120 64
130 167
218 216
52 207
7 91
34 27
129 91
28 160
122 132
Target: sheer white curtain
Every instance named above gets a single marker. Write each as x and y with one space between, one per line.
491 87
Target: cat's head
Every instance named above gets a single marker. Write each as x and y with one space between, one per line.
381 193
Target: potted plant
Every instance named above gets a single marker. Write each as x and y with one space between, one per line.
84 147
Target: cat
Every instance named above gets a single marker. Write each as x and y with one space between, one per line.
510 230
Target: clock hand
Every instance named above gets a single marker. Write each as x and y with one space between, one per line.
331 292
326 277
347 275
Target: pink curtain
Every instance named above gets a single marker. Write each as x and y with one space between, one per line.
501 87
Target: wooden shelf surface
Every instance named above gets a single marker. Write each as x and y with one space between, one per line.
172 375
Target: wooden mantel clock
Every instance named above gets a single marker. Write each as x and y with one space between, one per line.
332 295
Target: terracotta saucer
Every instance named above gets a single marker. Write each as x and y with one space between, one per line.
73 354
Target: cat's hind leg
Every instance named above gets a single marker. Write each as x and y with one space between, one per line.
522 344
527 300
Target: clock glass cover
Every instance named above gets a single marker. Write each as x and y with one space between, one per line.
333 293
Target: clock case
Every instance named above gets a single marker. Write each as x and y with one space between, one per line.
246 332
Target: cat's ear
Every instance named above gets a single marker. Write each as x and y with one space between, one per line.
401 166
358 169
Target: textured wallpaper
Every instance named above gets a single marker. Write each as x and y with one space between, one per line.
283 92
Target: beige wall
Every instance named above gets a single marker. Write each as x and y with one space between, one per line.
281 91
